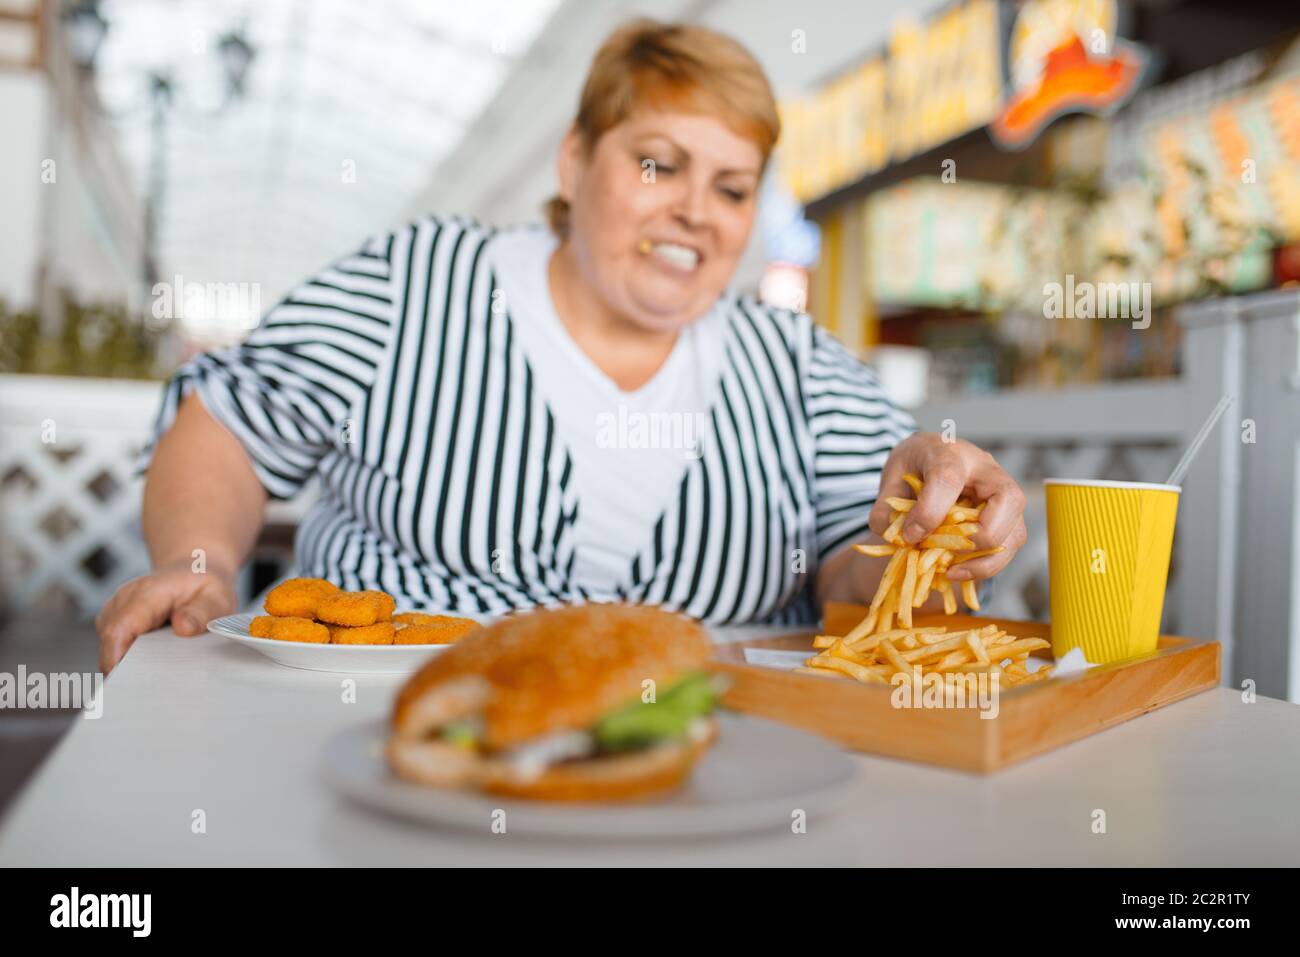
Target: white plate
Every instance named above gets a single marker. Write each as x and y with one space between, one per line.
350 659
753 778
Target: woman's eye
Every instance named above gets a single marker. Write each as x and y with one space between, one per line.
649 162
735 195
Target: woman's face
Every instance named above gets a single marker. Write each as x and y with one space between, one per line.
660 213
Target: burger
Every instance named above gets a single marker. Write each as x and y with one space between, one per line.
593 702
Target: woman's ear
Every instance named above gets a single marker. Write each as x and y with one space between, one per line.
568 163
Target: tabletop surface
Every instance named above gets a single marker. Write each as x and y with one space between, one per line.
201 723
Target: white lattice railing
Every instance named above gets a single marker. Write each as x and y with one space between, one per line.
69 505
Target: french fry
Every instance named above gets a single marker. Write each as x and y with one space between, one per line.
1017 647
849 668
841 650
968 556
954 543
949 599
938 649
900 504
894 533
963 529
923 587
953 658
913 482
865 627
886 620
868 642
909 587
973 667
893 657
969 595
934 636
887 579
876 551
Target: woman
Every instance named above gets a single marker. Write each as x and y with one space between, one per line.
504 418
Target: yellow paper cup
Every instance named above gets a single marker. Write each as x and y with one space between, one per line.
1108 546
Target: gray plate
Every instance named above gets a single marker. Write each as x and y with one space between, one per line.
753 778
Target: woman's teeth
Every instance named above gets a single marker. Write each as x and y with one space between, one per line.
679 257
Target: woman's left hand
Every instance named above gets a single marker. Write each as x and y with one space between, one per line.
950 470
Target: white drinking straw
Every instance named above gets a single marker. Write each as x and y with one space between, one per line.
1180 470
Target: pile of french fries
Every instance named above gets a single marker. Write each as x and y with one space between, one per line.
874 651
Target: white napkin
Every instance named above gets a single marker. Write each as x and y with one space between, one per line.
770 658
1072 662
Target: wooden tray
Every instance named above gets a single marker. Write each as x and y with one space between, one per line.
1031 720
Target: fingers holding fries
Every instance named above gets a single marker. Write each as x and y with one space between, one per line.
941 559
943 485
950 482
987 562
1004 507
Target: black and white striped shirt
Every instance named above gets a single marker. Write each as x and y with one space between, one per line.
444 480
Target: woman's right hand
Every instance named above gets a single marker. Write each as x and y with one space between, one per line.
172 591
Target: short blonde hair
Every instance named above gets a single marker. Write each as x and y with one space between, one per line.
647 64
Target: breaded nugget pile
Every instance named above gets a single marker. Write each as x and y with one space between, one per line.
315 610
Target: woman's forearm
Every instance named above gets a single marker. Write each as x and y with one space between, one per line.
201 493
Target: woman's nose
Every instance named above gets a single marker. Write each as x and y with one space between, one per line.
692 204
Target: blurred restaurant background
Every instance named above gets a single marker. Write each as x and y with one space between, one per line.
952 176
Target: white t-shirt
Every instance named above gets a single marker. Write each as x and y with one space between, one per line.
630 450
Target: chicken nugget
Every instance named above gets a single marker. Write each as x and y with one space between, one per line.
416 618
289 629
380 633
356 608
423 618
298 597
445 630
261 626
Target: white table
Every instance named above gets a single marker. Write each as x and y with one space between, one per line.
204 724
